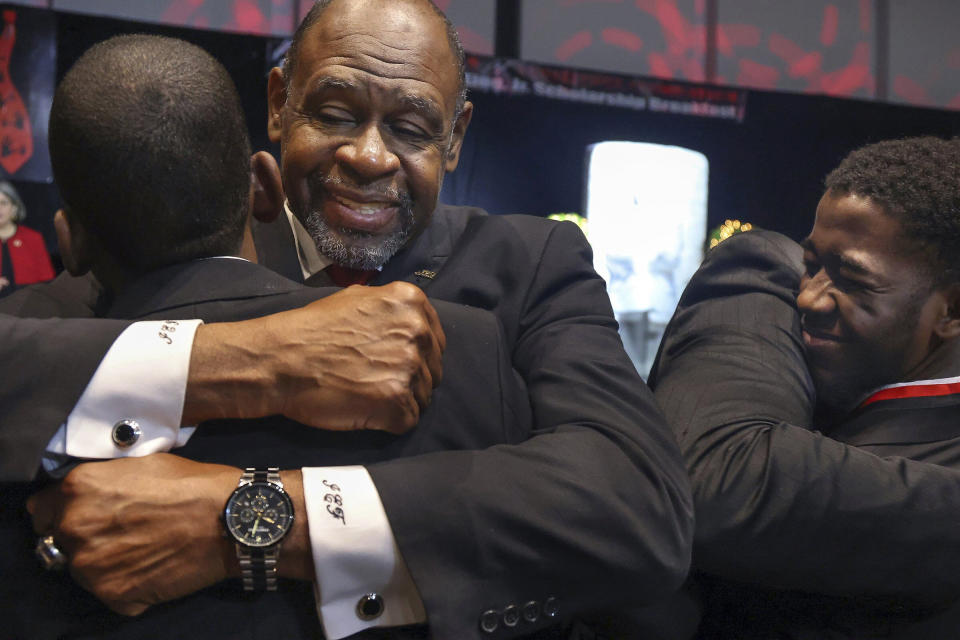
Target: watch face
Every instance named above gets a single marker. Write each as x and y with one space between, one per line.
258 514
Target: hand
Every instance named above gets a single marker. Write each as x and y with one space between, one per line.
140 531
362 358
4 282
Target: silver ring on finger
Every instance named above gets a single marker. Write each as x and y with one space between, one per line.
50 556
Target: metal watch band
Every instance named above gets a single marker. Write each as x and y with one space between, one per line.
258 567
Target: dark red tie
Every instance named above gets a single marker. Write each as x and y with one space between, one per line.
345 276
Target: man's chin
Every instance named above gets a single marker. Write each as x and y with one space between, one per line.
837 395
355 249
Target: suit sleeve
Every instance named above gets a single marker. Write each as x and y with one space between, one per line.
777 503
592 511
46 365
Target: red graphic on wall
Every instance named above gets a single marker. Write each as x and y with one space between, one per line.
828 53
801 64
682 57
16 140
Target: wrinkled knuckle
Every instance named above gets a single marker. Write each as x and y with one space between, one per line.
115 591
68 531
409 293
71 484
396 392
411 358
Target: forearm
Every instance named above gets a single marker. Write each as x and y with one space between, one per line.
361 358
783 507
230 374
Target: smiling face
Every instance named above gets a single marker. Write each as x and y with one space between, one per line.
870 313
367 126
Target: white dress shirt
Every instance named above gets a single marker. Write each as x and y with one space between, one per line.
143 379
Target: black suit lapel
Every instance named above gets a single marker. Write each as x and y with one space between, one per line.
422 260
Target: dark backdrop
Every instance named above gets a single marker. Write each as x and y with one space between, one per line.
525 154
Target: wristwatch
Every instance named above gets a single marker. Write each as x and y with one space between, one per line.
258 515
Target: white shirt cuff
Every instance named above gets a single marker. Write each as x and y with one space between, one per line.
355 553
143 378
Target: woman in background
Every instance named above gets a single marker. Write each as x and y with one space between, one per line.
23 254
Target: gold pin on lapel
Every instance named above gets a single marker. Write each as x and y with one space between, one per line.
426 273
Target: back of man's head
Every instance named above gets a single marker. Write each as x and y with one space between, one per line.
917 182
150 152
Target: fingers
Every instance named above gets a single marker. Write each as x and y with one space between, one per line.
44 509
437 344
422 388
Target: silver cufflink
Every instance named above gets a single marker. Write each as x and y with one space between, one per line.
126 433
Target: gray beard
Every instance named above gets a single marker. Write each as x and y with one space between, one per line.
337 247
336 244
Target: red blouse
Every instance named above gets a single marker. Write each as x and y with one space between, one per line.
28 253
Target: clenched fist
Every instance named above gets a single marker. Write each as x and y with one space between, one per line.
362 358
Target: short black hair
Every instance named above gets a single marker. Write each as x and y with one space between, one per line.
917 182
150 151
453 39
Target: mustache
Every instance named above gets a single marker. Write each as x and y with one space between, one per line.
318 182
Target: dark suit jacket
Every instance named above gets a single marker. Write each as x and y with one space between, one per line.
606 446
482 403
782 506
593 509
35 347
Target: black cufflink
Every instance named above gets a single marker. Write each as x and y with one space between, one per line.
126 433
370 607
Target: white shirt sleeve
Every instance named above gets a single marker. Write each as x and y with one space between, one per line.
355 553
143 378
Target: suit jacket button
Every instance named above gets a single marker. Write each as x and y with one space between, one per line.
126 433
531 611
511 615
551 607
370 606
489 620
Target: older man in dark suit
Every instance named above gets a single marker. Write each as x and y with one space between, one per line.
587 512
845 531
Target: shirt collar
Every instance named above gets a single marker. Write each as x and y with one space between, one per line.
311 260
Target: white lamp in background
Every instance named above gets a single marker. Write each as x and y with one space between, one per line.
647 209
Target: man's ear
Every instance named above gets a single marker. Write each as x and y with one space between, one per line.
276 98
73 242
948 326
456 140
266 187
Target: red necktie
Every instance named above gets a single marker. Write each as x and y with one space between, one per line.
345 276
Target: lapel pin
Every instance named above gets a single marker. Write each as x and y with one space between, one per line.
426 273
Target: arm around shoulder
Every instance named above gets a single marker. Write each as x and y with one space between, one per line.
592 511
779 504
